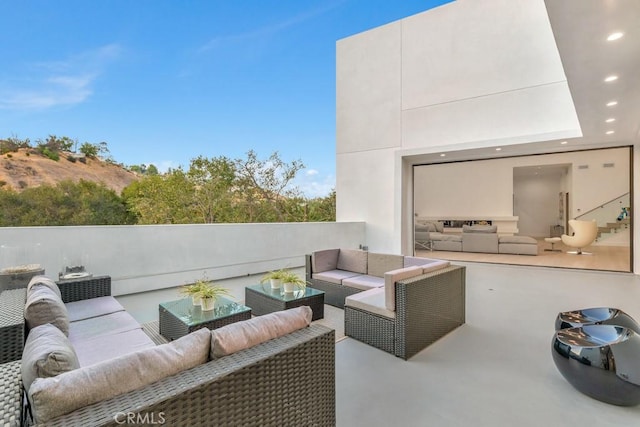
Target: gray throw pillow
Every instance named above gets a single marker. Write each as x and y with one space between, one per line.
43 281
46 353
242 335
45 306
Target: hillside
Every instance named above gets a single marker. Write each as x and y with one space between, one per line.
19 171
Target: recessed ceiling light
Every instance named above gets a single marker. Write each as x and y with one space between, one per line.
611 78
498 149
612 103
442 155
611 120
615 36
563 143
610 132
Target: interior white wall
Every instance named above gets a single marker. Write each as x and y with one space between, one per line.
485 187
536 203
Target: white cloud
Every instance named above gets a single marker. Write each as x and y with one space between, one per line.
312 172
315 185
57 83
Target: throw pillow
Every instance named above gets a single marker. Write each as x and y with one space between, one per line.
45 306
43 281
47 353
242 335
52 397
390 279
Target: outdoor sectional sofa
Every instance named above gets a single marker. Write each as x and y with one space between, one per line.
200 379
399 304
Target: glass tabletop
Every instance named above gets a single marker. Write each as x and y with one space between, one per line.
281 295
194 315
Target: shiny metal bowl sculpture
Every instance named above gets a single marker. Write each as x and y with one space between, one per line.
596 316
601 361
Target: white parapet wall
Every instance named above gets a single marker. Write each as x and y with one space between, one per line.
142 258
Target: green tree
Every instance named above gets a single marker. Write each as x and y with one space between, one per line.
162 199
266 185
89 150
67 203
213 180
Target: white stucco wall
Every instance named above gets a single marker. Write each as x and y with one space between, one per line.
142 258
446 78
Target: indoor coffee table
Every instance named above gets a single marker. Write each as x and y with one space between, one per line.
180 317
262 299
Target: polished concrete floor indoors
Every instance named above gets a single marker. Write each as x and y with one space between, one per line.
495 370
608 258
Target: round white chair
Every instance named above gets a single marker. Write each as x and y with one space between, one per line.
584 233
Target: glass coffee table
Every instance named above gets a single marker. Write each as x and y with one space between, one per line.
262 299
180 317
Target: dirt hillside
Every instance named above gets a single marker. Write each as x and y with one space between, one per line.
20 170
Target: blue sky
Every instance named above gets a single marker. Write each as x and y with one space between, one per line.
165 81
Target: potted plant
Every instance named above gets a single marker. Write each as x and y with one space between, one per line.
291 280
274 278
209 293
193 289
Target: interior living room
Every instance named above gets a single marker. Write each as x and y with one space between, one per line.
529 196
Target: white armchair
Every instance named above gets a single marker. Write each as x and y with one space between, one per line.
584 233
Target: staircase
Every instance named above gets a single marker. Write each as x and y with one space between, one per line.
613 227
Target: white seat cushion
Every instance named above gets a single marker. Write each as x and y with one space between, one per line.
364 282
109 324
92 307
105 347
334 276
371 301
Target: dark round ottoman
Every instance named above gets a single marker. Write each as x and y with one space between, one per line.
596 316
601 361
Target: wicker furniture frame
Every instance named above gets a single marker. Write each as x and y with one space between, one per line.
263 303
84 288
427 308
10 394
288 381
334 294
12 324
173 327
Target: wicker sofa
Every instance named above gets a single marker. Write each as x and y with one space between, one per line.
289 380
344 272
416 307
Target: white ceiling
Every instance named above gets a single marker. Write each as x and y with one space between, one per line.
580 28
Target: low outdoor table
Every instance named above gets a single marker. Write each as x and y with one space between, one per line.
262 299
179 318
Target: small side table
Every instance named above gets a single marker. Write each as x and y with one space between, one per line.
262 300
179 318
553 241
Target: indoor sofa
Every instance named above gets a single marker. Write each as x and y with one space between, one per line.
483 239
344 272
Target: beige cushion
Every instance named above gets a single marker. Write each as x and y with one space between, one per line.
353 260
324 260
44 281
52 397
46 353
372 301
378 264
45 306
479 228
242 335
436 265
364 282
390 279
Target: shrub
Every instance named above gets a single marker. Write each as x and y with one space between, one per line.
72 159
3 182
22 184
9 155
50 154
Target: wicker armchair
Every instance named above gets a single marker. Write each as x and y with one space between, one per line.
427 307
